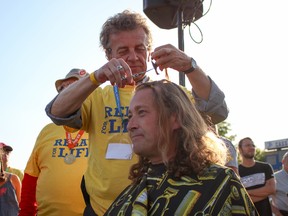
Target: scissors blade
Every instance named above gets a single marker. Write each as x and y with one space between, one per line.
140 73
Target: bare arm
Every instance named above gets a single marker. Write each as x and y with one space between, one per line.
17 185
263 192
168 56
200 82
72 97
209 98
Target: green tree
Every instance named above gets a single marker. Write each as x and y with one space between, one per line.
259 155
223 129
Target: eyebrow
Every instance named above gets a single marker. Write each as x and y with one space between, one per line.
127 47
137 107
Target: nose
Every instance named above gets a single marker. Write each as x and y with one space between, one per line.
132 55
131 124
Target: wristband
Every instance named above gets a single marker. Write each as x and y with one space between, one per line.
94 80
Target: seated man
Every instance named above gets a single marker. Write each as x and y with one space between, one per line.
179 171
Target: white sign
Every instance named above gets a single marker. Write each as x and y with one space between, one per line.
275 144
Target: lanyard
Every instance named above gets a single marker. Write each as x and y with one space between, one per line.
117 98
71 143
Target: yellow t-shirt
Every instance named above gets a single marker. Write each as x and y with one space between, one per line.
58 189
106 178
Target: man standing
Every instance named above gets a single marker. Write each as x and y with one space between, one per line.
52 177
257 177
232 159
102 112
280 199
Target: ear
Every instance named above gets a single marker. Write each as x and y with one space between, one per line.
174 122
240 150
108 55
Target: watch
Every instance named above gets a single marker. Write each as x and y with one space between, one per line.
194 66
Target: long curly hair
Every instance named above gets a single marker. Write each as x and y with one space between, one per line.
196 146
124 21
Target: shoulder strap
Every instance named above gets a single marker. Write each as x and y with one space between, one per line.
9 176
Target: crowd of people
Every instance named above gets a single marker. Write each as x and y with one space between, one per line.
138 146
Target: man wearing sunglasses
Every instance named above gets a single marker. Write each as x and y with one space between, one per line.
102 112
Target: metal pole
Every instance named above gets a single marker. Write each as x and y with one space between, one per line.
180 41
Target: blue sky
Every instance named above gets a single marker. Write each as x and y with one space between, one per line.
244 50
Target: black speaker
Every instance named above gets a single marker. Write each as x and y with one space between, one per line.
163 13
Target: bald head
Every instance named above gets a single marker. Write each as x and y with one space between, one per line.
285 156
285 161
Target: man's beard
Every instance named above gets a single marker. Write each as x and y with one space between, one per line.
249 156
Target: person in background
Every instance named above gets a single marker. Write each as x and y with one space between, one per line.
5 159
280 198
181 166
52 177
10 190
102 112
256 176
232 159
